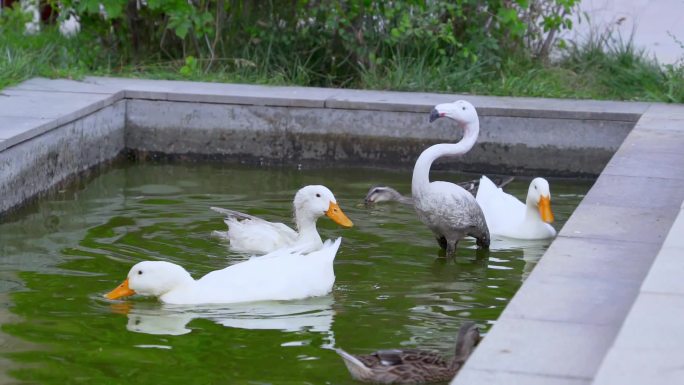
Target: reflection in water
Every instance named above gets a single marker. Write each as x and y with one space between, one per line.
313 314
529 250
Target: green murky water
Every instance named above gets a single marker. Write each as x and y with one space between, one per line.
58 256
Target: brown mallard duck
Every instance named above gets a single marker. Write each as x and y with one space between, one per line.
412 366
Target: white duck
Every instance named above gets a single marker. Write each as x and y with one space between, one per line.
509 217
251 234
447 209
281 275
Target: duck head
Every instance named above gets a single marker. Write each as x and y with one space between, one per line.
382 194
539 196
461 111
468 338
151 278
315 201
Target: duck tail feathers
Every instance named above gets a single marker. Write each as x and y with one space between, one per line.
219 210
232 214
329 244
357 369
486 191
505 181
335 243
484 181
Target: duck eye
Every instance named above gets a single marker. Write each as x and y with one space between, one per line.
139 272
318 195
463 108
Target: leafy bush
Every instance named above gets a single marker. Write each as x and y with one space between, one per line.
497 47
332 42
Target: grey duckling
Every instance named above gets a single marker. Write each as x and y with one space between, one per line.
378 194
412 366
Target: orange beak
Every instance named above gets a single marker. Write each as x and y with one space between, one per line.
121 291
545 209
335 213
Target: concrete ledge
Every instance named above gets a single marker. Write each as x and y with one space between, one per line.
53 155
560 328
552 146
27 114
519 135
650 345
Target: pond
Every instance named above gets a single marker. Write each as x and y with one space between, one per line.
61 254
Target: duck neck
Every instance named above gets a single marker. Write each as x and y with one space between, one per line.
532 217
405 200
398 197
179 282
306 227
464 347
421 172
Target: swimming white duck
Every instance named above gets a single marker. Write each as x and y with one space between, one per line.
282 275
251 234
447 209
509 217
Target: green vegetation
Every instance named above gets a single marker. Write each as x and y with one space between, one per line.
496 47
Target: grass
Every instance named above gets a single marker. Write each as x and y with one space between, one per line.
47 54
602 68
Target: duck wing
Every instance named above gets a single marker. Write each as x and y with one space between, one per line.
396 357
470 186
501 210
473 185
251 234
236 214
395 366
280 276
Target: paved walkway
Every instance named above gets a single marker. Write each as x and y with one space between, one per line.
656 25
650 345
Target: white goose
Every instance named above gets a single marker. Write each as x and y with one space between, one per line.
250 234
282 275
446 208
509 217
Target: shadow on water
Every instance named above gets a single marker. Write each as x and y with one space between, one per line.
61 254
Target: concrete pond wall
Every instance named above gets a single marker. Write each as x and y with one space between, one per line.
577 319
557 143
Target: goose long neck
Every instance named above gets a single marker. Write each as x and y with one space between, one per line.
421 172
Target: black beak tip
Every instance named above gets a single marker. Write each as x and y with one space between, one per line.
434 115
